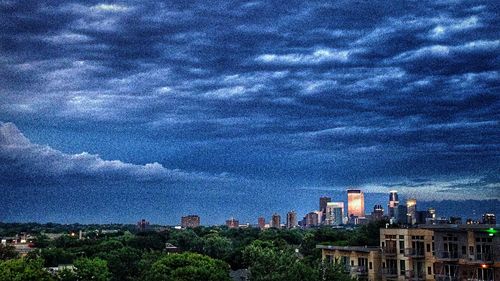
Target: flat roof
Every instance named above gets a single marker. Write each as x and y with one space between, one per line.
365 249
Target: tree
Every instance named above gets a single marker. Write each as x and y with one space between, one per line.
217 247
269 263
123 263
24 270
7 252
91 269
333 272
188 267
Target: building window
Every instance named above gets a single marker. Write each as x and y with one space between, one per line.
370 265
401 237
428 248
401 247
429 270
402 267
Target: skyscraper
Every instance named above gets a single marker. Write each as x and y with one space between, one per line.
276 221
334 213
411 206
291 219
261 222
232 223
311 219
378 213
322 207
355 203
190 221
393 204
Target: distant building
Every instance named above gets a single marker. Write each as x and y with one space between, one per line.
393 204
232 223
276 221
489 218
334 213
322 207
311 219
261 221
143 225
411 207
355 203
455 220
377 213
190 221
400 214
291 219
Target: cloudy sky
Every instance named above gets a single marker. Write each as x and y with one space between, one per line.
237 99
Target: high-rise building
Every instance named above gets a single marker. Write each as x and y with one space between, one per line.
261 222
291 219
143 225
411 207
377 213
322 207
232 223
311 219
190 221
276 221
355 203
489 218
400 214
334 213
393 204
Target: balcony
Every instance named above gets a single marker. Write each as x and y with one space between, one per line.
414 276
389 272
481 258
414 252
389 251
359 270
444 277
447 256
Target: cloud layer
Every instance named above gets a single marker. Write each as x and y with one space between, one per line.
307 93
22 160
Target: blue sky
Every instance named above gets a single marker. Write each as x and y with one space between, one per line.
238 97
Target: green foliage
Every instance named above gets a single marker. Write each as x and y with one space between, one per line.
23 270
188 267
269 263
92 269
7 252
56 256
123 263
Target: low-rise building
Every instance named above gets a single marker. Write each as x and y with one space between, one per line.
362 263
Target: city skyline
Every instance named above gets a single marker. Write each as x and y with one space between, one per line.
123 110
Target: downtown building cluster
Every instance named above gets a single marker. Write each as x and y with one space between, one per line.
334 214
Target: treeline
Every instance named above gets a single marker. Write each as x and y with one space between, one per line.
208 253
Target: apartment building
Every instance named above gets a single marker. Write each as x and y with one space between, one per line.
362 263
425 253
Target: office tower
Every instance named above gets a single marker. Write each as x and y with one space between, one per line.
489 218
276 221
378 213
322 207
312 219
355 203
411 206
190 221
143 225
431 213
232 223
400 214
334 213
261 222
291 219
393 204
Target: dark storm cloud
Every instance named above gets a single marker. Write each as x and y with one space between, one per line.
399 83
22 160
